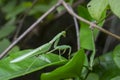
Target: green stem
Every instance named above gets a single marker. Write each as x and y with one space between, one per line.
94 50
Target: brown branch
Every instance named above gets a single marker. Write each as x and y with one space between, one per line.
29 29
88 22
77 30
48 12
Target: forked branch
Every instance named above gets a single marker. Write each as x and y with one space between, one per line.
70 11
88 22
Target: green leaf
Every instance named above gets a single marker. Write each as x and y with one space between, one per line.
9 7
18 9
9 71
92 76
85 32
4 44
105 60
114 6
116 78
14 50
116 55
12 9
97 8
39 8
105 67
86 35
72 69
8 28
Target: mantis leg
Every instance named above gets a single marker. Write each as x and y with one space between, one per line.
62 47
31 65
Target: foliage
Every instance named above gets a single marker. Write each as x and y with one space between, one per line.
8 70
105 67
97 9
79 66
71 69
114 7
116 55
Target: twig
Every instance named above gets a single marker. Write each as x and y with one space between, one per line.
30 28
88 22
77 30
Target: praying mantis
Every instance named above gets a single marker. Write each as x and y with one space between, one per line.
45 48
